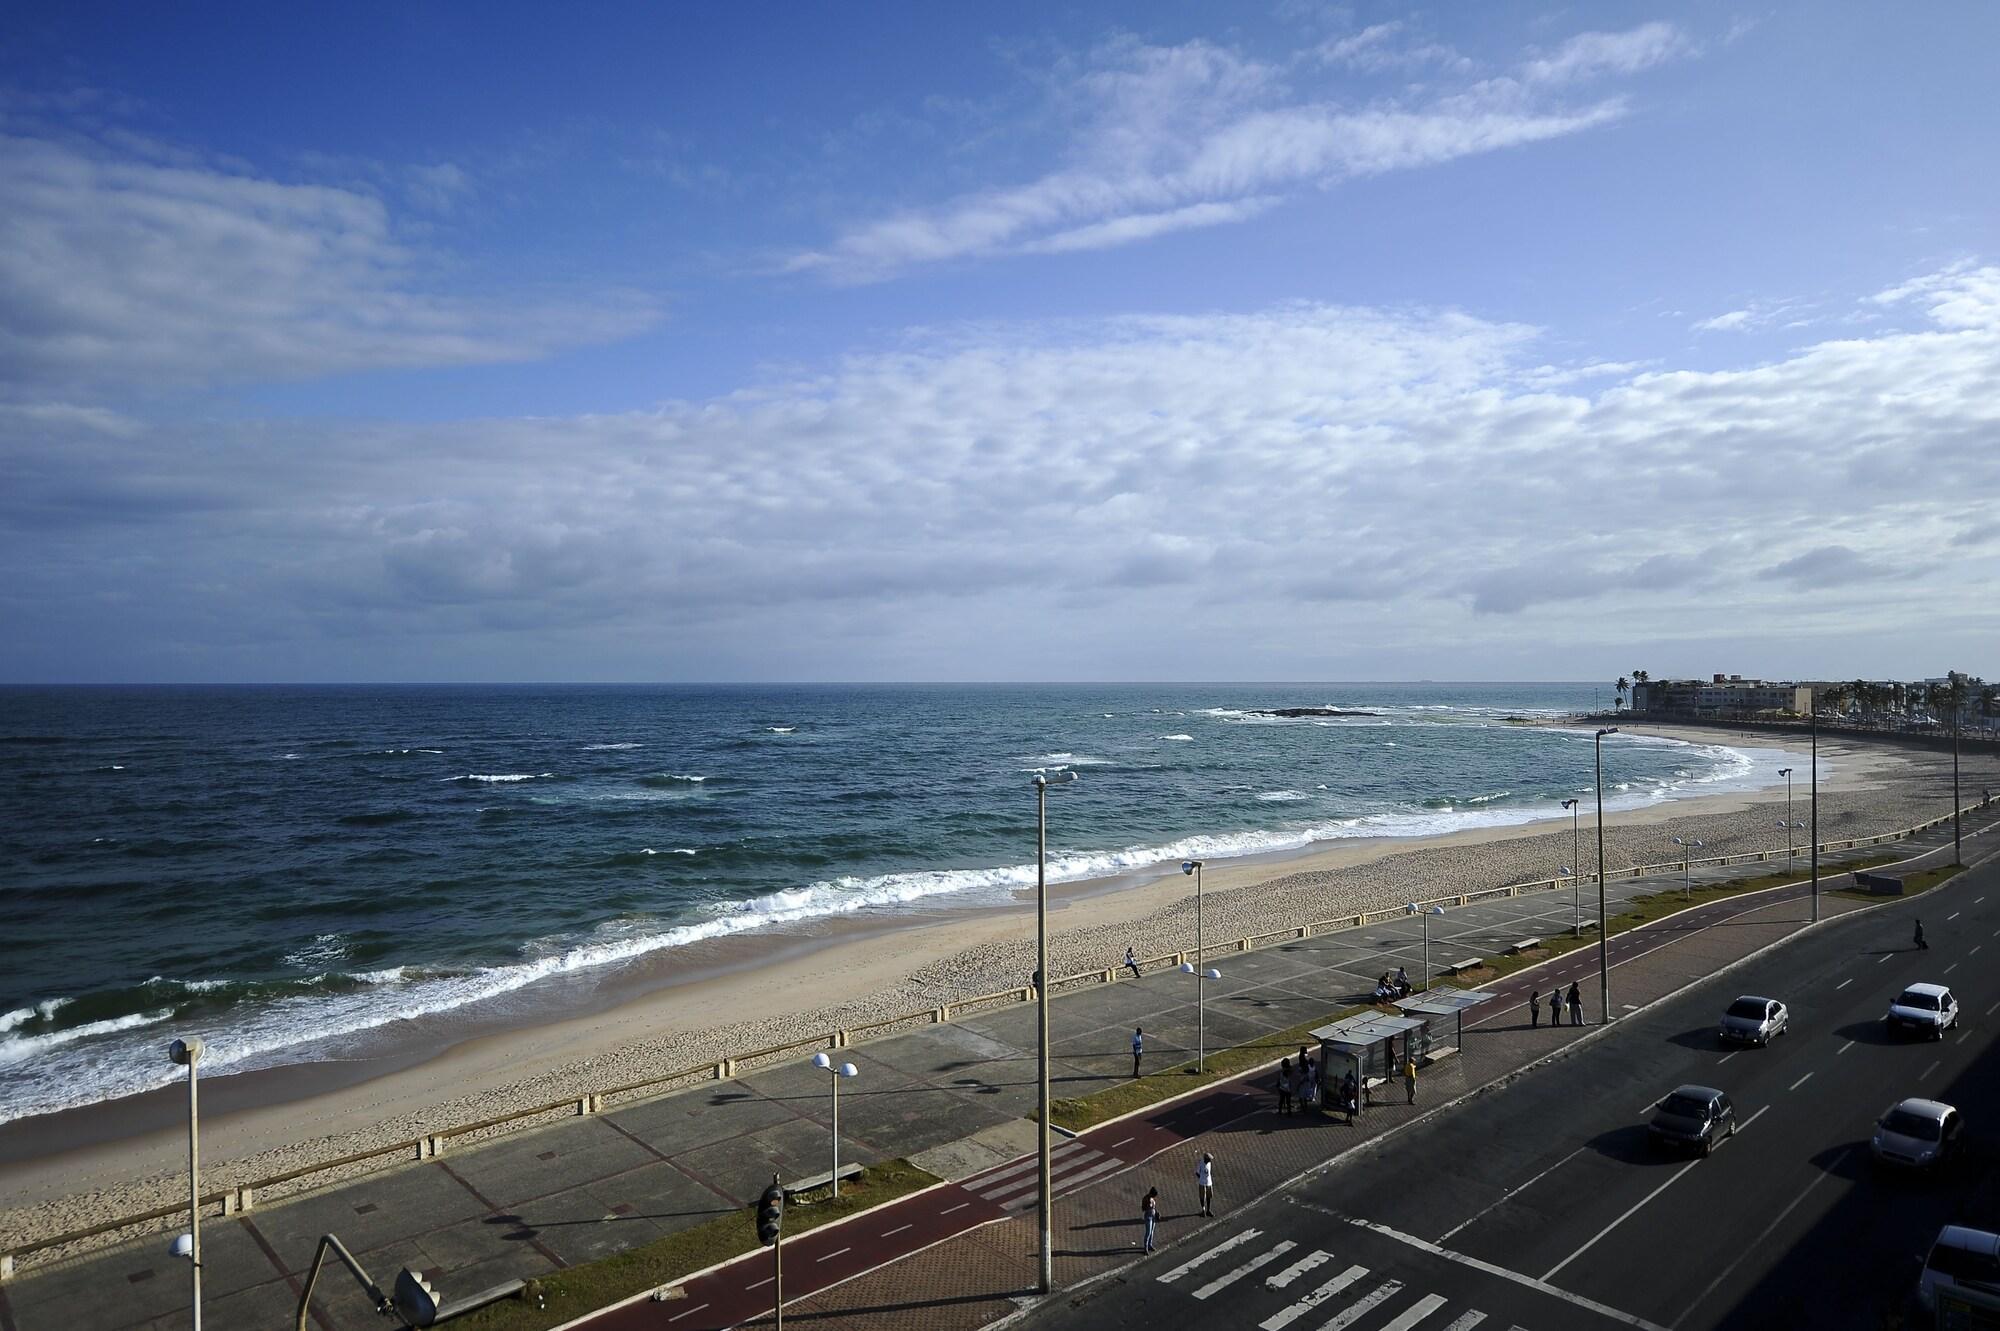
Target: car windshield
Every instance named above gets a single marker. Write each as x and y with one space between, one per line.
1912 998
1685 1106
1750 1008
1905 1124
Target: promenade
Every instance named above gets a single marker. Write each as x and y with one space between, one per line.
952 1097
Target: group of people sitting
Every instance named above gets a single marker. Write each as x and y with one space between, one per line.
1299 1086
1392 986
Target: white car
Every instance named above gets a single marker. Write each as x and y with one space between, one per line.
1918 1134
1753 1020
1961 1258
1926 1008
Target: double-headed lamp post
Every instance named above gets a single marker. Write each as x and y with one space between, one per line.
1201 979
188 1053
1791 855
1603 943
1044 1206
836 1071
1575 871
1688 845
1425 911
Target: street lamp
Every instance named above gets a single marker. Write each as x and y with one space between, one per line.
826 1065
1414 909
1603 942
1575 808
1688 847
1201 979
1791 855
188 1052
1043 1195
1814 694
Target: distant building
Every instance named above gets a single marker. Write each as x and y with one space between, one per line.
1720 695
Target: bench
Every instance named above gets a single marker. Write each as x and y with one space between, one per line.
1880 884
1465 964
1515 949
822 1179
1588 924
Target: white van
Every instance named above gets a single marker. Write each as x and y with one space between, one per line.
1961 1258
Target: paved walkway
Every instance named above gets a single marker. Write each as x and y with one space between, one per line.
532 1202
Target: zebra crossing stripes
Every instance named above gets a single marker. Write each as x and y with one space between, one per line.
1416 1312
1471 1319
1353 1313
1285 1316
1017 1185
1203 1259
1229 1278
1297 1269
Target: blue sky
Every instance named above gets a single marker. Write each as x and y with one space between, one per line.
942 342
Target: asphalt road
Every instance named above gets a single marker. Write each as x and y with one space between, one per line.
1543 1203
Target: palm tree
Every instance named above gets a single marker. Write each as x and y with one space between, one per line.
1623 684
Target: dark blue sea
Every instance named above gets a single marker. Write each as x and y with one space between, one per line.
284 869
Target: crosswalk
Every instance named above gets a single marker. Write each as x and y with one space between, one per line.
1013 1186
1349 1297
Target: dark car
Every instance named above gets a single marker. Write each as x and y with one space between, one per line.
1694 1116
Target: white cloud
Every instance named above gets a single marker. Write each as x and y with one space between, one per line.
142 264
1732 322
1197 135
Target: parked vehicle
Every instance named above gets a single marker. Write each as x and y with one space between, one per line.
1960 1259
1918 1134
1696 1116
1927 1009
1753 1020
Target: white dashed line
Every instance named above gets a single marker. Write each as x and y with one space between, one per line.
1120 1142
1949 969
1518 1188
1925 1074
1975 949
949 1209
1954 915
689 1313
836 1253
1800 1082
1843 984
1843 1049
890 1234
1885 956
1726 1057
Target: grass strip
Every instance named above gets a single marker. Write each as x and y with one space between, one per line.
576 1290
1913 883
1088 1111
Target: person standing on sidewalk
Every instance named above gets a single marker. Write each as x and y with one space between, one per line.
1131 962
1138 1048
1204 1182
1285 1086
1149 1211
1348 1096
1556 1005
1575 1004
1534 1009
1410 1076
1922 946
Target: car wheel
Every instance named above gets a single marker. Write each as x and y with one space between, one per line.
1708 1147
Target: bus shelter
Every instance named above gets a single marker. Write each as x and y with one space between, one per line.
1372 1046
1446 1007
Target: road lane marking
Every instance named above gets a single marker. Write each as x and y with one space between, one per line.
1975 949
1949 918
1121 1141
1800 1082
1229 1278
1843 984
1757 1243
1925 1074
1360 1308
1517 1188
1416 1312
1726 1057
1217 1251
1553 1271
949 1209
1843 1049
1297 1269
1885 957
1949 969
835 1253
890 1234
1468 1321
689 1313
1285 1316
1526 1281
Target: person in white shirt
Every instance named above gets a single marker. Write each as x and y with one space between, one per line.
1204 1179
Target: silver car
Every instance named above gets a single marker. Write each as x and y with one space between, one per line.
1928 1009
1918 1134
1753 1020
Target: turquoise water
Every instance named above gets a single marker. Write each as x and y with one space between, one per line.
286 869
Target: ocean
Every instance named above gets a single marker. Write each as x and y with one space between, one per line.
288 870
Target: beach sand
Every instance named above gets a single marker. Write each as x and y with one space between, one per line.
748 993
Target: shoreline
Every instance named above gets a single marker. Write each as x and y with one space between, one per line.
80 1166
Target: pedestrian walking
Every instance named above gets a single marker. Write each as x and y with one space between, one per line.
1534 1009
1349 1094
1922 946
1410 1076
1204 1182
1138 1048
1575 1005
1149 1211
1131 962
1285 1086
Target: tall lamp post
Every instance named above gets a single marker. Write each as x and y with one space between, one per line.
1043 1197
1575 808
836 1071
1815 805
1414 909
1688 845
1791 855
1194 867
1603 943
1957 850
188 1053
1201 979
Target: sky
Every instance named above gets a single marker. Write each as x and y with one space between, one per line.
1161 341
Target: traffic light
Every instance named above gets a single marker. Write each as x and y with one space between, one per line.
770 1213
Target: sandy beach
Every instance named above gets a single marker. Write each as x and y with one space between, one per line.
746 993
